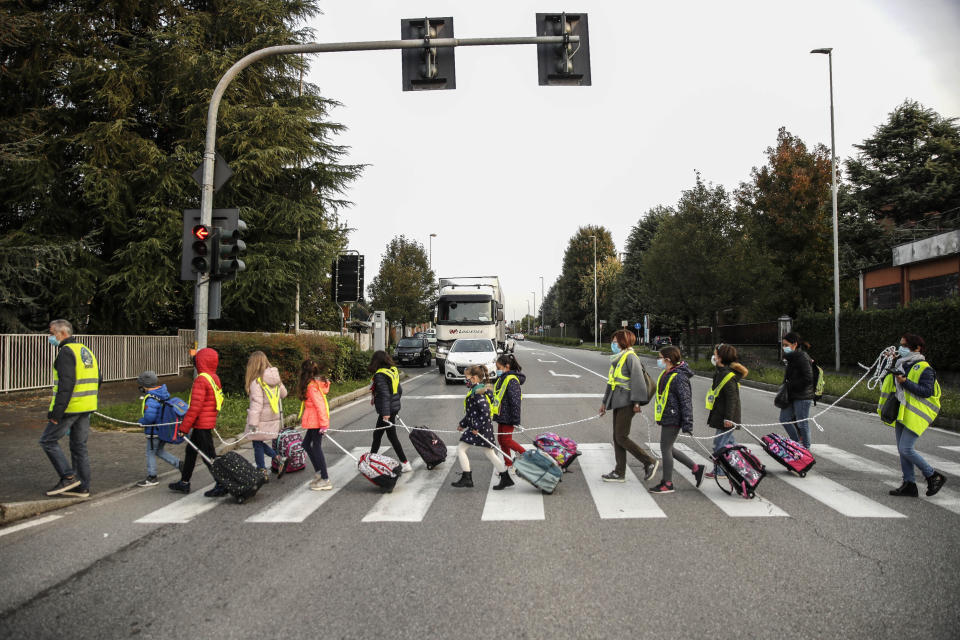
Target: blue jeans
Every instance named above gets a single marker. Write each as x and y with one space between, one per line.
155 450
798 431
260 447
719 442
78 424
909 456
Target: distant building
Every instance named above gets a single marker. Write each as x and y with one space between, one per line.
928 268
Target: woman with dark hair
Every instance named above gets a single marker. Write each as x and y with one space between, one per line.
386 392
913 391
506 403
626 391
800 389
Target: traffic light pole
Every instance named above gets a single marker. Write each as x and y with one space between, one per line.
209 151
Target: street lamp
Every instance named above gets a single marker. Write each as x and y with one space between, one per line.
534 303
542 299
528 315
595 319
432 236
836 232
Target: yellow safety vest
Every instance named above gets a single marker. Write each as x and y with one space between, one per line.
273 395
661 402
470 393
712 396
217 391
616 378
394 376
915 413
498 393
325 404
83 399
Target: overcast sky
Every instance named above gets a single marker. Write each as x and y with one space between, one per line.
504 171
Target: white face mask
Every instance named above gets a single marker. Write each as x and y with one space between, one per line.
713 361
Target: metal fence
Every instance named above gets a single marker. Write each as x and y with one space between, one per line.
363 340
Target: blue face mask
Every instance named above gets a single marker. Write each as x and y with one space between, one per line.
615 347
904 351
53 340
787 350
661 363
497 373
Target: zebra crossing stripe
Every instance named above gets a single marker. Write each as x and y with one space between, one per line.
615 500
183 510
523 501
300 503
414 493
950 447
940 464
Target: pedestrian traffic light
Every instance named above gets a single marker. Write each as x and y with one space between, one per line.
200 248
427 67
229 248
567 63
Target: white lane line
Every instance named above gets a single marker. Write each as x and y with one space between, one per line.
557 355
183 510
945 498
832 494
27 525
615 500
526 396
548 361
522 501
938 463
563 375
301 502
414 493
734 505
949 448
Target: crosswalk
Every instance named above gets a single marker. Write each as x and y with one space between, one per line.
416 493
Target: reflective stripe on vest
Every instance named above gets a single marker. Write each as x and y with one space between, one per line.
489 404
273 395
217 391
712 396
616 378
83 398
661 402
498 392
394 375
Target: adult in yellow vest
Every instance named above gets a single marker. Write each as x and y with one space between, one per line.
626 392
76 381
913 384
387 392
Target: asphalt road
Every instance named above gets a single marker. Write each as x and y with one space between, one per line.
830 555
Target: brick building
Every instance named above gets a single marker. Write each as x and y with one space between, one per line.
928 268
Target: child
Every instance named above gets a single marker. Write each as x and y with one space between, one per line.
673 411
476 423
315 419
155 394
265 413
386 391
723 400
507 397
206 398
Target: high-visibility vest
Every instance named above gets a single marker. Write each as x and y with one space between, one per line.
915 413
470 393
394 376
712 396
217 391
273 395
661 402
326 404
498 392
616 378
83 399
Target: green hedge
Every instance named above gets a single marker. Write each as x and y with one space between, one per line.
339 358
864 333
548 340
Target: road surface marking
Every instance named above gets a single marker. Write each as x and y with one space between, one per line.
949 448
557 355
414 493
526 396
27 525
548 361
564 375
615 500
522 501
301 502
183 510
941 464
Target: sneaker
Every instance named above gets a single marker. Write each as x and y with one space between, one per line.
663 487
321 485
216 492
79 492
266 475
407 467
149 481
907 489
649 470
281 465
613 476
180 485
934 483
698 473
65 484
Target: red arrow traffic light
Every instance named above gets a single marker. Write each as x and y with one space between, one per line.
201 232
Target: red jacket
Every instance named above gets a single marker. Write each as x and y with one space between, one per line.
202 413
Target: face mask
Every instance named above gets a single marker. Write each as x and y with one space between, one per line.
468 383
713 361
615 347
53 340
787 350
661 363
497 373
904 351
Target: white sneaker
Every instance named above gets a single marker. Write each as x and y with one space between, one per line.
321 485
407 467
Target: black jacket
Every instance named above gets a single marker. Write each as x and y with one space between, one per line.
510 407
384 399
727 404
799 376
679 407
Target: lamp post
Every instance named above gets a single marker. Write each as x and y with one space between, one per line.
595 319
432 236
836 233
528 315
542 300
534 303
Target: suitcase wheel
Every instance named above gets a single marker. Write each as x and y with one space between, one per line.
240 499
802 474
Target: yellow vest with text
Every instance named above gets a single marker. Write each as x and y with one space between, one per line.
661 403
498 393
915 413
616 378
83 399
394 376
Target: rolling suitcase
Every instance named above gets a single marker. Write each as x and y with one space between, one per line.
792 455
289 444
539 469
381 470
563 450
234 473
428 444
743 470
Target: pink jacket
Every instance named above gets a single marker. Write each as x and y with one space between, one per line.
262 422
315 412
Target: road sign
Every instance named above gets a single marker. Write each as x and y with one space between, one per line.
221 173
638 326
624 323
561 325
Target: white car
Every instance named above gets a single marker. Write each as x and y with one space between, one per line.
466 352
509 345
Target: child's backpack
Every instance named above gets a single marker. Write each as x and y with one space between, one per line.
289 444
171 416
743 470
818 388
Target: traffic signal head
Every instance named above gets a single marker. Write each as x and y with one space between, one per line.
229 248
427 67
567 63
200 260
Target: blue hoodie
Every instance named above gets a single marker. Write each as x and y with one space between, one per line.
153 409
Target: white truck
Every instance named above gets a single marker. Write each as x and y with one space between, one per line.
469 307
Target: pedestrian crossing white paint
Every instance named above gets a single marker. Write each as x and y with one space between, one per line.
940 464
27 525
732 505
183 510
522 501
950 448
414 493
615 500
832 494
301 502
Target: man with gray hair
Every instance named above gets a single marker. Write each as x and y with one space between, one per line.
76 381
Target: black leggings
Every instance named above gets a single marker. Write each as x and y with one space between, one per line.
203 438
391 432
311 444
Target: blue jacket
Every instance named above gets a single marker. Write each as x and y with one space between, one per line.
510 406
924 387
679 409
153 409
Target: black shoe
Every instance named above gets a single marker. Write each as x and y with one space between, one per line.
505 481
79 492
65 484
907 489
613 476
466 480
934 483
650 469
149 481
180 485
698 474
216 492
